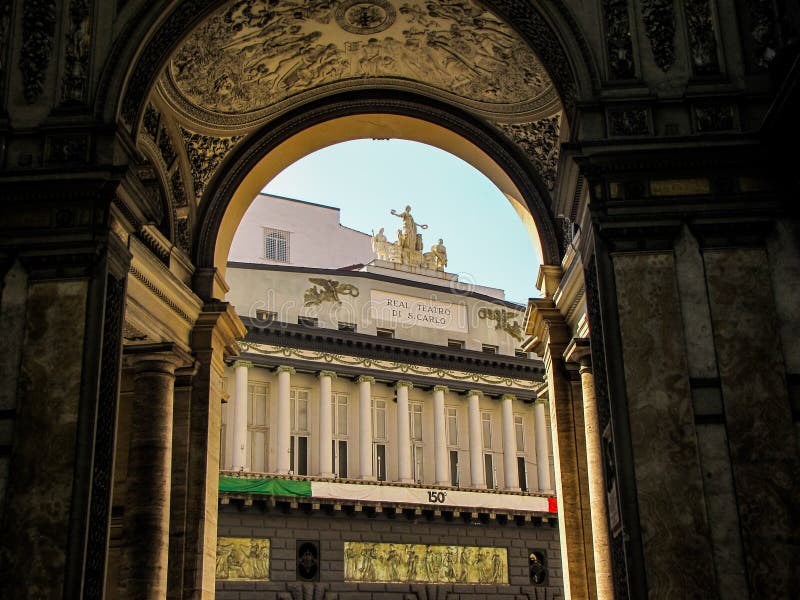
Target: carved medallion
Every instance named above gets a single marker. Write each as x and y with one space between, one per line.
357 16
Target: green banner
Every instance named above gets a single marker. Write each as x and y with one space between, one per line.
273 487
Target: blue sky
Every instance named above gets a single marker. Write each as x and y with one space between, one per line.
485 239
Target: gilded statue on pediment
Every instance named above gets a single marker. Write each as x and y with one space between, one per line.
407 250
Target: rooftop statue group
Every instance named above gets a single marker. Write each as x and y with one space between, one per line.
407 250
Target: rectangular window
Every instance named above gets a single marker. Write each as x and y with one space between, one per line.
266 316
351 327
488 470
340 458
339 414
457 344
486 427
298 454
454 471
276 245
379 419
415 416
380 461
257 427
384 333
307 321
298 410
519 430
452 426
523 476
489 349
419 463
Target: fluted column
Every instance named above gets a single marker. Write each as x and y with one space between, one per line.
146 521
404 473
365 426
284 418
476 474
239 429
542 449
439 436
510 473
325 424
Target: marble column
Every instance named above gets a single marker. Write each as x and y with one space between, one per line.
476 474
439 436
365 427
147 501
510 473
239 429
542 449
325 424
404 472
284 424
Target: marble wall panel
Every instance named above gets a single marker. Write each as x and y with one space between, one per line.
758 418
675 532
36 520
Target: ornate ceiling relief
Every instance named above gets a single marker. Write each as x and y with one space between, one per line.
540 141
255 55
659 24
618 39
38 29
204 153
78 44
702 40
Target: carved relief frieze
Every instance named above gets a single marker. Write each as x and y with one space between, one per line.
74 87
628 121
714 117
327 290
38 29
178 191
659 25
702 39
205 152
165 147
66 149
762 31
151 121
540 142
251 55
504 320
401 563
242 559
183 234
618 39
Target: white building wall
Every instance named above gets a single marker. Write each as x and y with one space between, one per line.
316 238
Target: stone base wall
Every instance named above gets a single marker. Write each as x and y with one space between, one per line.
332 528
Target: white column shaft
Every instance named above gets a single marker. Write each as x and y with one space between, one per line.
403 437
239 429
325 427
365 429
439 441
477 478
542 451
284 421
510 473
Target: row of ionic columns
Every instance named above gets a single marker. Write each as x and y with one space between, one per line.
405 472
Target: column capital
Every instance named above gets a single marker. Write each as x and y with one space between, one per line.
579 351
163 357
477 393
511 397
330 374
242 363
544 401
285 369
441 388
365 379
404 383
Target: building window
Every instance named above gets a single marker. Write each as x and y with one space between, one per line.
418 461
266 316
486 427
307 321
457 344
415 417
276 245
384 333
452 426
455 475
488 471
522 473
298 417
380 461
257 428
379 419
351 327
489 349
339 412
519 430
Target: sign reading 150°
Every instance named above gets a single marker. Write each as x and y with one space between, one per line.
400 310
436 496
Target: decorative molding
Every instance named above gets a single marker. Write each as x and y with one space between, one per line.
618 39
38 31
75 84
714 117
205 153
702 38
178 190
441 388
762 30
166 148
503 321
161 295
67 149
327 290
659 25
394 367
150 122
365 379
628 121
285 369
540 141
183 234
330 374
365 17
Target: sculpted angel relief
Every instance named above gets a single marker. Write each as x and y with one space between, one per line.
253 54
